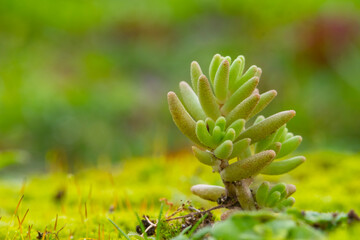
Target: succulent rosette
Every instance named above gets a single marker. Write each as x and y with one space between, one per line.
217 113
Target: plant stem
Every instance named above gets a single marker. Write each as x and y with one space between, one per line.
244 194
229 187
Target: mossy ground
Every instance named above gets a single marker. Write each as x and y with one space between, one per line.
327 182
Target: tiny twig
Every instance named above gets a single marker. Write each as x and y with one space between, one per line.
194 209
150 226
202 212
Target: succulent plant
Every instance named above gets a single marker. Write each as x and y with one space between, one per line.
216 115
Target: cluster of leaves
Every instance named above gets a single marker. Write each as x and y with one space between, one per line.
277 197
215 115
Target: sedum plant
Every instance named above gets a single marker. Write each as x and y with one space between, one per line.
216 113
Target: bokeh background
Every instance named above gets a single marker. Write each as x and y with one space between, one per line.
86 81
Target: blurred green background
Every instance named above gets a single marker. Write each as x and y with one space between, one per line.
87 80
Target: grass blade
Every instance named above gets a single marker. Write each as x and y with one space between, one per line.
119 229
141 226
197 224
159 222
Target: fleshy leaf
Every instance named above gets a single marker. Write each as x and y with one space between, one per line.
207 98
275 146
280 187
281 167
230 135
196 72
243 110
259 119
217 134
208 192
273 199
224 150
228 58
290 189
238 126
210 124
262 193
289 135
191 101
214 65
204 157
203 135
182 119
289 146
268 126
243 92
247 167
287 202
251 72
279 133
221 122
239 147
264 144
265 99
221 81
236 69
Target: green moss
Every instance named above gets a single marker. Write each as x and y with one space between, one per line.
139 184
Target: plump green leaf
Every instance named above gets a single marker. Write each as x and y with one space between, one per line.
203 135
208 192
221 81
281 188
221 122
265 99
210 124
217 135
281 167
224 150
290 189
230 135
243 92
196 72
259 119
214 65
243 110
289 135
239 147
289 146
289 202
247 167
275 146
207 98
236 69
228 58
279 133
258 72
191 102
264 143
238 126
204 157
272 199
182 118
262 193
251 72
268 126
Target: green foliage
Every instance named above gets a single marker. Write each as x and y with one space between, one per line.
215 116
276 197
258 225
